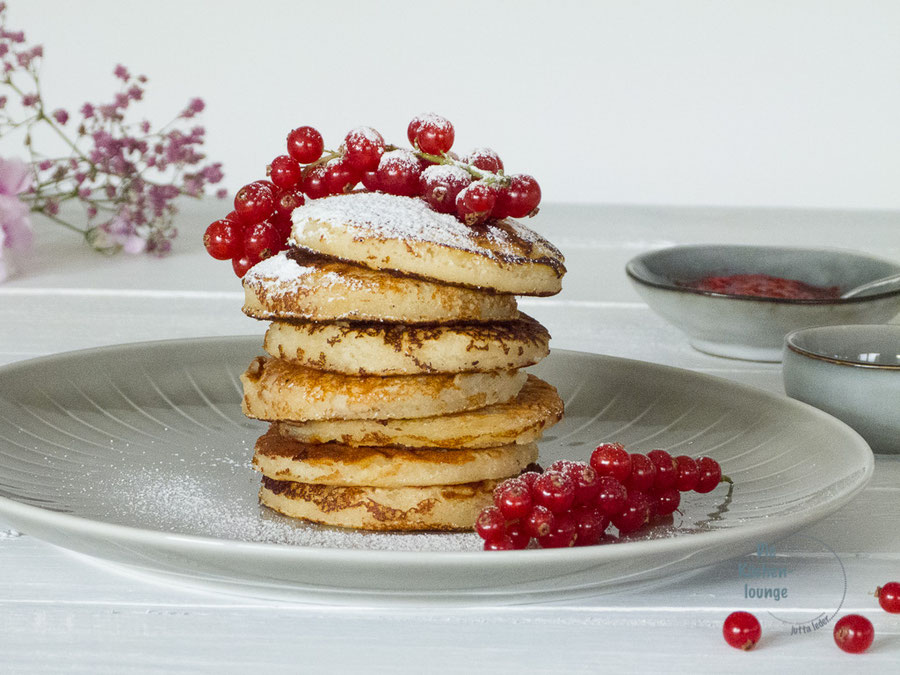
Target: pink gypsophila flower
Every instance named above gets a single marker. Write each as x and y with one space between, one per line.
15 178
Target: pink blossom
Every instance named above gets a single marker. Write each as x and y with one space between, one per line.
15 178
194 107
87 110
121 72
29 100
61 116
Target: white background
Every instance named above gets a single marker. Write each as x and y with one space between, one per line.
691 102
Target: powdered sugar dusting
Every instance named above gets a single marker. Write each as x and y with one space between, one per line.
383 216
282 272
398 157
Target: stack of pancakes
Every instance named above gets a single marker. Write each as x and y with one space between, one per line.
393 379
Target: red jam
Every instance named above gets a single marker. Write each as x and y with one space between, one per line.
764 286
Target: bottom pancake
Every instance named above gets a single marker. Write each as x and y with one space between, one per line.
436 507
336 464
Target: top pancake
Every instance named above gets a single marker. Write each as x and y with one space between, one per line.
387 232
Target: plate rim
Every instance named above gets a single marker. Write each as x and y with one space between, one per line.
67 522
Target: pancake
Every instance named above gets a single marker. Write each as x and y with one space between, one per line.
299 285
277 390
387 232
436 507
521 420
335 464
397 349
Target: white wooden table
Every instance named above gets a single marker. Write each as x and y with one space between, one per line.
63 613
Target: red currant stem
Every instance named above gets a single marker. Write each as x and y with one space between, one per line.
327 156
726 479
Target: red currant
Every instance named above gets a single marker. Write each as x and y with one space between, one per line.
284 172
854 633
288 200
687 473
439 185
255 202
242 264
364 148
634 514
518 533
222 239
305 144
513 498
710 475
490 523
314 184
431 133
611 459
475 203
399 172
643 473
563 533
484 159
591 524
520 198
741 630
370 180
889 597
540 522
666 471
529 477
340 177
502 543
667 501
554 490
262 240
611 495
587 484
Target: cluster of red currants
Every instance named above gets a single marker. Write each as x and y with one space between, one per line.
853 633
474 187
573 503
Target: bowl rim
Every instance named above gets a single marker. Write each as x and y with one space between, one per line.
837 360
634 275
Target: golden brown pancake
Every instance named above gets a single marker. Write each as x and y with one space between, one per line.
435 507
277 390
521 420
300 285
335 464
386 232
398 349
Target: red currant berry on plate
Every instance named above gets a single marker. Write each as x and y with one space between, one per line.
364 146
665 469
490 523
563 534
513 498
314 183
305 144
519 535
591 524
262 240
223 239
255 202
475 203
611 459
587 484
340 177
710 475
554 490
284 172
431 133
687 473
399 172
854 633
741 630
241 264
634 515
540 522
502 543
611 495
889 597
439 185
484 159
667 501
643 473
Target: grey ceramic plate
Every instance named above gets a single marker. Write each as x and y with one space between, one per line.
139 455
